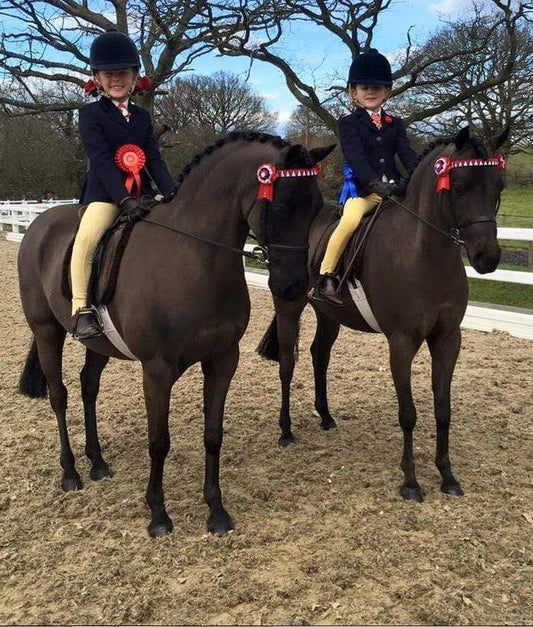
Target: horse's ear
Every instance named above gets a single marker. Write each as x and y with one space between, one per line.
463 137
319 154
495 142
290 156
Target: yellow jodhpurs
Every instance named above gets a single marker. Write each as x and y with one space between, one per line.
97 218
354 210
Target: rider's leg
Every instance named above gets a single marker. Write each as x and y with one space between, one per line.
354 210
97 218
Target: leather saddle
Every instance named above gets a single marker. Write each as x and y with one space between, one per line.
107 258
358 242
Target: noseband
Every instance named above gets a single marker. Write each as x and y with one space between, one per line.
442 168
267 174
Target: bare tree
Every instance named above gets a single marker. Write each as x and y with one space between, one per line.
48 42
507 104
218 103
261 26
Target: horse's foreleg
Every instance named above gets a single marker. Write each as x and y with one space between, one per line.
50 338
327 331
90 385
402 351
288 315
218 372
444 350
157 383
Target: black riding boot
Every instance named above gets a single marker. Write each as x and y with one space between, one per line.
326 290
86 324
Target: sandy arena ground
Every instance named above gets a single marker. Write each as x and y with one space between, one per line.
322 535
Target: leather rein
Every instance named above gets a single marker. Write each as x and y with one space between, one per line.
267 174
442 168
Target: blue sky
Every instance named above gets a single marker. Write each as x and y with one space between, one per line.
320 55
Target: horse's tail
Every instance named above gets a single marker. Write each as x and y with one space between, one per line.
32 381
269 346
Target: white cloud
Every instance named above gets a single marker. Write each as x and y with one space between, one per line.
448 7
284 115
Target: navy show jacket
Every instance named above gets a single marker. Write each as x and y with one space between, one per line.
370 151
103 130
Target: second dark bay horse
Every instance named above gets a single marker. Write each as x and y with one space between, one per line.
416 285
178 301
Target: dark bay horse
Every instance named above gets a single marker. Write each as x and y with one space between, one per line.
178 301
416 286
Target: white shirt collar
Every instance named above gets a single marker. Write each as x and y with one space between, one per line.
370 112
117 102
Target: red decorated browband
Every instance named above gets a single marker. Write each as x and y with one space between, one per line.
444 165
267 173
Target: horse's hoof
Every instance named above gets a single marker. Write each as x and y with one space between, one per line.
285 440
411 494
162 526
71 482
100 472
328 424
453 489
219 524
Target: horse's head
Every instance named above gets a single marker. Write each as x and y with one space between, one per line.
291 200
473 173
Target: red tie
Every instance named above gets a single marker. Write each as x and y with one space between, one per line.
124 110
376 119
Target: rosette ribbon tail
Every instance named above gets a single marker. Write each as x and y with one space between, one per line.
349 189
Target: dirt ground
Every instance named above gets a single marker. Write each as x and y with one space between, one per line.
322 535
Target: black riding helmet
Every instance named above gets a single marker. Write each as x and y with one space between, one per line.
113 50
370 68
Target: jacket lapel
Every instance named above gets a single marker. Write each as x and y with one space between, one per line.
113 112
365 119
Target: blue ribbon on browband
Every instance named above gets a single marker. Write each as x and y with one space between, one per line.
349 188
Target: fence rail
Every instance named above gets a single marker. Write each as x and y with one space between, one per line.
16 216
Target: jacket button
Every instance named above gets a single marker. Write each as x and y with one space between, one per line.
382 160
378 139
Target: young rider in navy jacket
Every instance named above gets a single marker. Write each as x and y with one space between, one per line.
370 139
105 126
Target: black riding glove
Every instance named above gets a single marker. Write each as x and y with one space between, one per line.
132 209
379 187
401 187
168 197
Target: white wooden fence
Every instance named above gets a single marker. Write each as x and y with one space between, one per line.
16 216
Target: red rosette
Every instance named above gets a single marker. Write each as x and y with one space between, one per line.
501 161
266 175
442 168
388 119
131 159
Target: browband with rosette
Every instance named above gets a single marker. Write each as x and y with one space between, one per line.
131 159
444 165
267 173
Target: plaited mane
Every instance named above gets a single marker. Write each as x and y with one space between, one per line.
251 136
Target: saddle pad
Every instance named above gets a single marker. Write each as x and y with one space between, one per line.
360 235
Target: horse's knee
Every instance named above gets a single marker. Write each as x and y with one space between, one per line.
58 397
159 447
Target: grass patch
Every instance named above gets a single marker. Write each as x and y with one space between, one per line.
517 208
499 293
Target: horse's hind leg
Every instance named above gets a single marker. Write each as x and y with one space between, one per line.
402 351
90 384
444 350
218 372
50 337
327 332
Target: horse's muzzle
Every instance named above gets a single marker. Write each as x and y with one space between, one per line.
288 285
486 261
